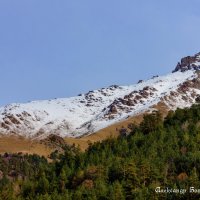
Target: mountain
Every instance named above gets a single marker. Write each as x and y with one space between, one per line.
95 110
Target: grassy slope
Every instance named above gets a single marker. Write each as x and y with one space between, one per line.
13 144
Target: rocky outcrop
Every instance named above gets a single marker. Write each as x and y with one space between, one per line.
186 94
54 142
128 102
188 63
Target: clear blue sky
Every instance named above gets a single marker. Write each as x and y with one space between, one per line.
61 48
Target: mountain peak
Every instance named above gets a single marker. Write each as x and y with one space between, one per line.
188 63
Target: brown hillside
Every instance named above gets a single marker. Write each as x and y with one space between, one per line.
13 144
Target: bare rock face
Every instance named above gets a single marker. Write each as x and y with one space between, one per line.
197 99
127 103
186 94
140 81
189 62
113 109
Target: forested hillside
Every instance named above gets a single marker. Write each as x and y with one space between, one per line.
157 153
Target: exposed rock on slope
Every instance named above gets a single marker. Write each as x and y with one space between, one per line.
189 62
90 112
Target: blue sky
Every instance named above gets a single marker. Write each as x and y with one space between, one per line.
52 49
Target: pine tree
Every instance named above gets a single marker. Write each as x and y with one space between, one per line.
43 185
117 192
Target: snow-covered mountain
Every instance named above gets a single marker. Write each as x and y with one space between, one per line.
87 113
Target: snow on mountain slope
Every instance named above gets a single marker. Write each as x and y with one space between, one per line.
98 109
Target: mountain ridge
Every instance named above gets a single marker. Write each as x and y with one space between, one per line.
98 109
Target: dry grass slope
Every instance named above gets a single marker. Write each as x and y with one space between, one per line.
13 144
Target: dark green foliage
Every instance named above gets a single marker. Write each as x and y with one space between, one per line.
157 153
151 122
